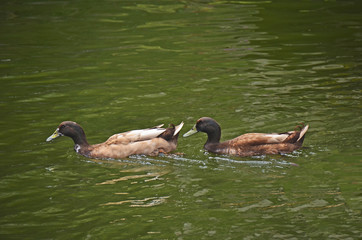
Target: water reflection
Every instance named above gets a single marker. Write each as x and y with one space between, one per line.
269 161
136 172
147 202
150 176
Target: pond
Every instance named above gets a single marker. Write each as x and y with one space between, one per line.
113 66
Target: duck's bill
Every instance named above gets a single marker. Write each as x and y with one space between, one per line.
54 135
191 132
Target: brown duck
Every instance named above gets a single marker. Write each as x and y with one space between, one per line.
248 144
151 141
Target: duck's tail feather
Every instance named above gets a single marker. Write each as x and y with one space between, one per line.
171 133
302 133
178 128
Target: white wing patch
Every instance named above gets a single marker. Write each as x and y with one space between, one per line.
276 137
135 135
147 133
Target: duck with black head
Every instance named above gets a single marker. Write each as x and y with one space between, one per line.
248 144
150 141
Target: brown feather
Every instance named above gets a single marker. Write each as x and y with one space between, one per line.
250 144
150 141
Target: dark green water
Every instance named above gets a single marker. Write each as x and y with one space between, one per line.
112 66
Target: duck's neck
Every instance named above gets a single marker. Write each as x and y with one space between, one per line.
213 134
80 144
80 140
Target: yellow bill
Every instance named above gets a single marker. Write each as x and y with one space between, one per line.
191 132
54 135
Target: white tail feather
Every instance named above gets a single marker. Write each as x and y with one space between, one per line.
302 132
178 128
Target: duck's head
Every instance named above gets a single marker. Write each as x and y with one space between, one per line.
206 125
69 129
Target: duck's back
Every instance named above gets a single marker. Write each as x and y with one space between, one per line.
250 144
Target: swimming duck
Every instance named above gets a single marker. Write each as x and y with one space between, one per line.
248 144
150 141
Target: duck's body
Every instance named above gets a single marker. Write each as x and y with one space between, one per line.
248 144
149 141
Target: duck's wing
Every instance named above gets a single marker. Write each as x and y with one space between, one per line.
259 139
253 139
135 135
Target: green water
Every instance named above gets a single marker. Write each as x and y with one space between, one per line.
112 66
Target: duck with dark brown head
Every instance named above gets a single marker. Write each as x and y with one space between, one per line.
248 144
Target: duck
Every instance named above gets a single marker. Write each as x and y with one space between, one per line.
249 144
150 141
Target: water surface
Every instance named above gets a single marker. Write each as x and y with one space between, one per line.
112 66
